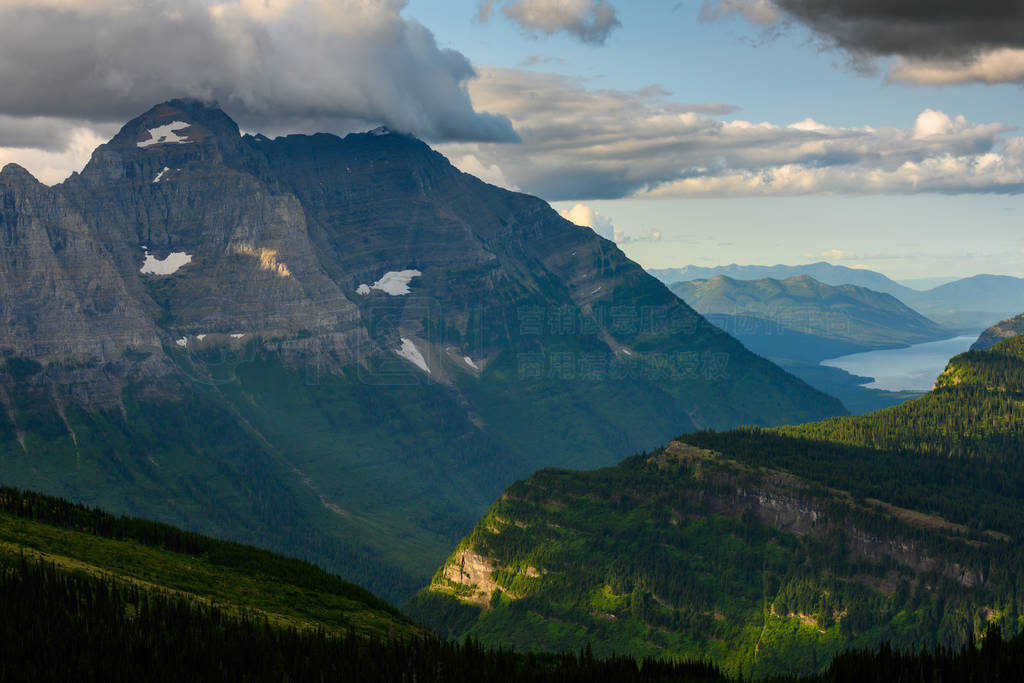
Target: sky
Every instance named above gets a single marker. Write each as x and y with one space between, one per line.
881 135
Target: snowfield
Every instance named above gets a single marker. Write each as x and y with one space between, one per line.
168 266
413 355
165 135
394 283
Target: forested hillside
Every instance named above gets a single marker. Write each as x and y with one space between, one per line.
68 619
767 551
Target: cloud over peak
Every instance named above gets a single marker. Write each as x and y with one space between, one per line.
591 21
289 65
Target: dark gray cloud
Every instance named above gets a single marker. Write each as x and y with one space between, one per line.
913 28
591 21
332 64
42 133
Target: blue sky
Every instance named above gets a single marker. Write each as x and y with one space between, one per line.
885 135
781 76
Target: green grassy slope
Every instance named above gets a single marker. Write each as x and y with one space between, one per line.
766 550
239 579
92 597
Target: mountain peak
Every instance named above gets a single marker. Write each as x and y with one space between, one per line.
13 174
178 122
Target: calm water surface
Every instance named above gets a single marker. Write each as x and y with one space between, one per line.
911 369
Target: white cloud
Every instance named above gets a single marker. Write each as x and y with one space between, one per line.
584 215
581 214
589 20
469 163
931 122
1005 65
581 144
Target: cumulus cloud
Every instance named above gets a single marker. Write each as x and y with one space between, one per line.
469 163
936 43
288 65
583 144
592 21
584 215
581 214
1005 65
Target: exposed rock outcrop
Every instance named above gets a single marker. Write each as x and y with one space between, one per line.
1001 331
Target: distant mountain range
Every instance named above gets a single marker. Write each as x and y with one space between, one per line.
966 304
972 302
765 551
843 318
339 349
1006 329
821 271
798 322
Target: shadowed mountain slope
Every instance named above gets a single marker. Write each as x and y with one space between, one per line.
340 349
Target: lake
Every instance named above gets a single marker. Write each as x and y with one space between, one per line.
909 369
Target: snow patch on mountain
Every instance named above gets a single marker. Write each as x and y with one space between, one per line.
168 266
413 355
166 135
395 283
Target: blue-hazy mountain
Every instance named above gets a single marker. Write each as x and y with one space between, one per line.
966 304
821 271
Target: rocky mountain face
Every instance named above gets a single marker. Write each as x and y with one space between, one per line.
1001 331
338 348
765 551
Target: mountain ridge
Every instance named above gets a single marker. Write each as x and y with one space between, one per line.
965 304
223 359
847 313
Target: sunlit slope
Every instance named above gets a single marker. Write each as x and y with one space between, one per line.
765 550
